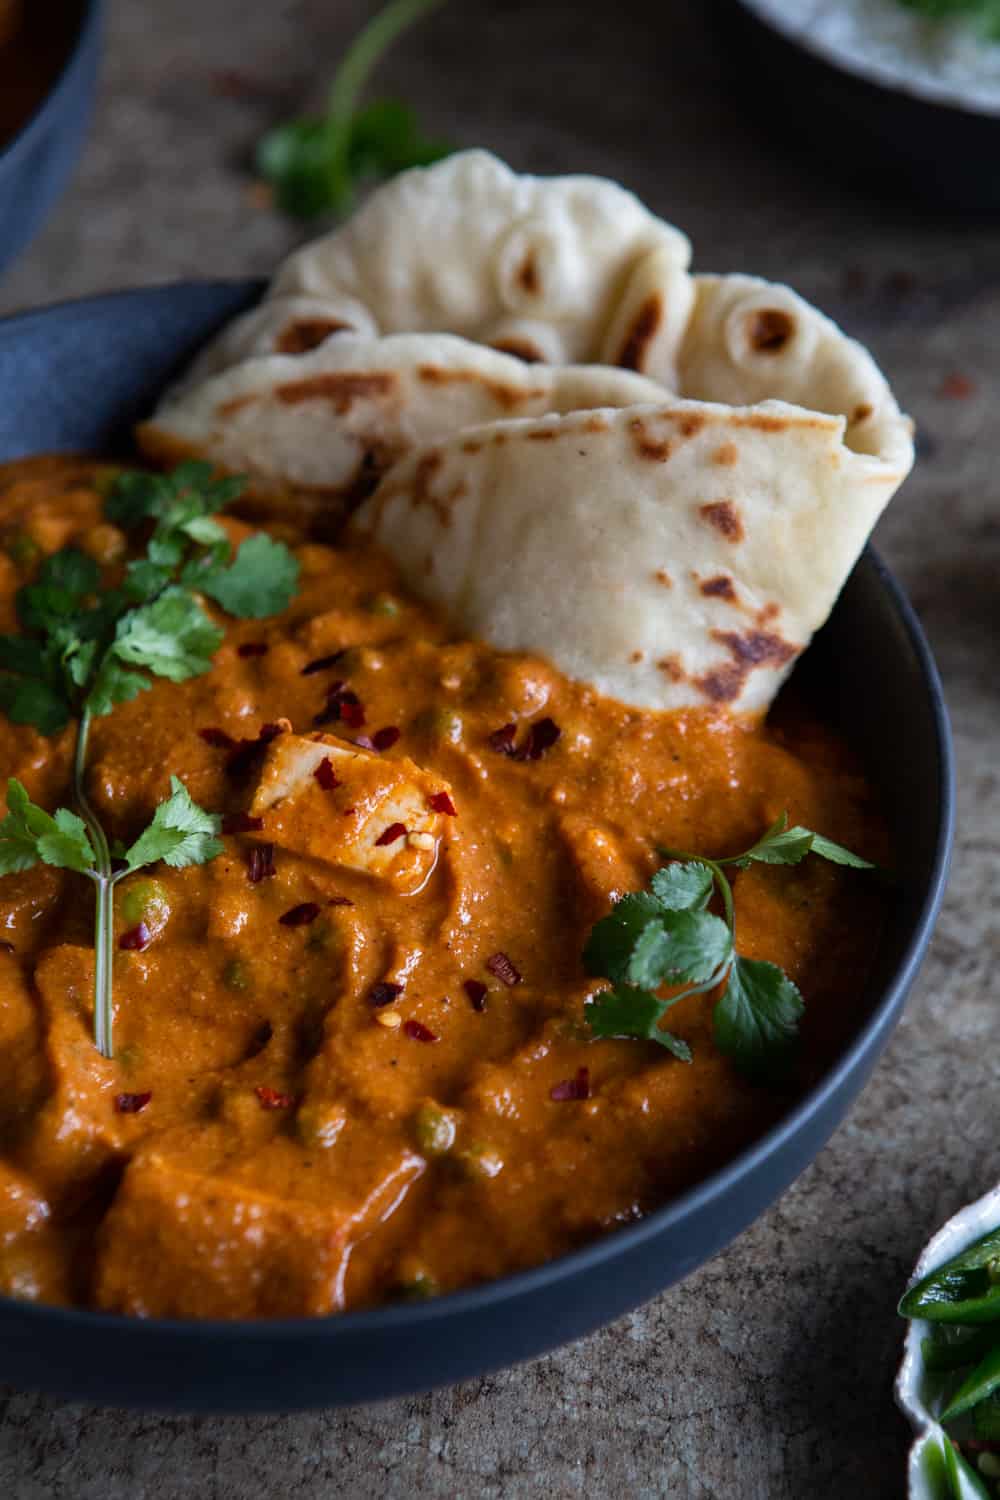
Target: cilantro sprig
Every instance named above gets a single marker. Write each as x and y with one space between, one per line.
84 649
983 14
665 937
315 164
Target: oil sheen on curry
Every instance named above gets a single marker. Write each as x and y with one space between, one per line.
351 1058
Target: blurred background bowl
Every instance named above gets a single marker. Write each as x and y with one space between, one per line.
895 140
36 162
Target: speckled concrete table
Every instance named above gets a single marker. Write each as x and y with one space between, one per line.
768 1374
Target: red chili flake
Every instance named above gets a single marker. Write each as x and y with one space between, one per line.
301 915
572 1088
260 863
219 738
352 713
339 901
384 739
392 833
958 387
440 802
132 1104
137 938
321 663
384 993
326 775
477 992
246 752
418 1032
501 966
342 704
541 737
241 822
253 648
272 1099
502 740
349 812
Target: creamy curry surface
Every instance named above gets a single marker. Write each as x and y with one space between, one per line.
348 1070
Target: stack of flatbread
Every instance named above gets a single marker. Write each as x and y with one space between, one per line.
567 441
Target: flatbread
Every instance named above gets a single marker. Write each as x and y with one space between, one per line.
329 423
536 266
672 556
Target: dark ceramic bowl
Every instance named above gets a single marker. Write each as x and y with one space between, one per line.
36 163
896 141
77 377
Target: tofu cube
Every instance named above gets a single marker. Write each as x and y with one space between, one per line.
334 801
239 1238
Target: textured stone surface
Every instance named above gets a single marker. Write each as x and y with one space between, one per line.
768 1374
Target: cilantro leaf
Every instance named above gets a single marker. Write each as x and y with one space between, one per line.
136 495
261 581
23 654
693 948
609 947
181 833
114 684
756 1020
172 636
684 887
782 845
837 854
27 701
316 164
29 834
627 1011
982 14
62 583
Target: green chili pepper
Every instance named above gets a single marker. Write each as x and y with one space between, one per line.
966 1289
986 1418
949 1348
982 1382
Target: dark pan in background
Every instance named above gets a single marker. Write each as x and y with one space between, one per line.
894 141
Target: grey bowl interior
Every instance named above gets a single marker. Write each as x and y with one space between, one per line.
77 377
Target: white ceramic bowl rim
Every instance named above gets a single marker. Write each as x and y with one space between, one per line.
946 92
912 1393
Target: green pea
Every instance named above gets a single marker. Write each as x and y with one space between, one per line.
384 604
145 901
417 1287
237 976
319 1123
478 1161
434 1129
23 550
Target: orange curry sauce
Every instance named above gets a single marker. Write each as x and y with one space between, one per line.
314 1139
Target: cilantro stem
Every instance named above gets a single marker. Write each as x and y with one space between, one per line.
358 64
104 904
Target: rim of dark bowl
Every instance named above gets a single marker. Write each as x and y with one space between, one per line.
24 138
870 1036
940 97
